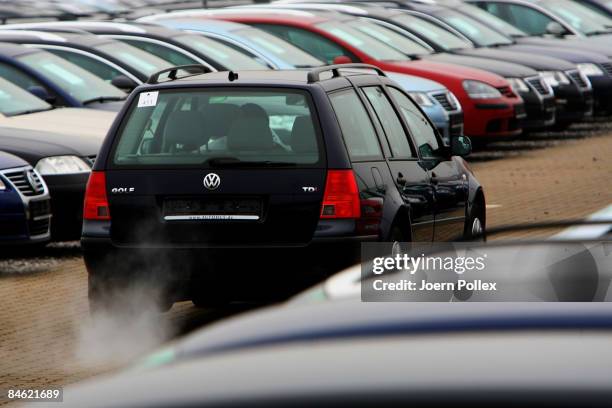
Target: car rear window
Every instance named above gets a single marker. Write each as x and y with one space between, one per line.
219 127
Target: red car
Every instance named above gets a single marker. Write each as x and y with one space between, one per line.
491 109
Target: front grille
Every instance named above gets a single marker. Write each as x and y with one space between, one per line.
39 227
456 124
39 209
26 180
447 102
538 86
607 66
506 91
578 79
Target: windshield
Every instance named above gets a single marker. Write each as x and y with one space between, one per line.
394 39
144 62
227 56
74 80
491 20
14 100
365 43
432 33
220 127
281 49
581 18
477 32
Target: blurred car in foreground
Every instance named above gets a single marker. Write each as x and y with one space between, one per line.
25 213
333 349
56 80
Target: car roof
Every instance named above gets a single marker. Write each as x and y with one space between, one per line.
14 50
106 27
43 37
279 14
267 77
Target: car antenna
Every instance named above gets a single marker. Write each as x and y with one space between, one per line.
232 76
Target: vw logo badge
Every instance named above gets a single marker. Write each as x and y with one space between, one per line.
212 181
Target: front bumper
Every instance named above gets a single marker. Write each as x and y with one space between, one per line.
573 104
494 118
602 94
67 196
541 111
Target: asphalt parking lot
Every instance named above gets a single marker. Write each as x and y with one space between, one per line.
47 337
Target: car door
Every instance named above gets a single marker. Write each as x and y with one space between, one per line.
449 183
408 173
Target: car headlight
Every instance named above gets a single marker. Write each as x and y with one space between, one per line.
554 78
590 70
480 90
518 85
421 98
62 165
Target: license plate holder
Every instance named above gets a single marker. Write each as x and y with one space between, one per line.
212 209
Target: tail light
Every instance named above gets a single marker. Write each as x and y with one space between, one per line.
341 197
96 202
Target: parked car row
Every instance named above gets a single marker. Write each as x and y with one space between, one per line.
490 70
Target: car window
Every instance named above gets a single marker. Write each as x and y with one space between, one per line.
314 44
432 32
196 128
144 62
527 19
473 29
391 124
96 67
397 41
79 83
229 57
14 100
270 44
161 51
420 128
357 129
17 77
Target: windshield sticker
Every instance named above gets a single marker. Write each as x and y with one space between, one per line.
147 99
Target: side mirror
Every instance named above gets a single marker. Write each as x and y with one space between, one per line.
41 93
461 146
342 59
124 83
556 29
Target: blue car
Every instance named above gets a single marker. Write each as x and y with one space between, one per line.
25 211
437 102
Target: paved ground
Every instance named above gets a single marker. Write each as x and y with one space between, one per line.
47 337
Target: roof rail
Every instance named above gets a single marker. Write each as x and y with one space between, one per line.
313 75
194 69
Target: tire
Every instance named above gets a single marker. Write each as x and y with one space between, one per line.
475 225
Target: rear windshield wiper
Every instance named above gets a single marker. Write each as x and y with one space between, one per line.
102 99
236 162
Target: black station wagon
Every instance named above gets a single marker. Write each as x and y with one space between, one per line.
210 185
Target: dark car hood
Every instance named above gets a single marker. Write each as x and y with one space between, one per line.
537 62
505 69
34 145
111 106
571 55
8 161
